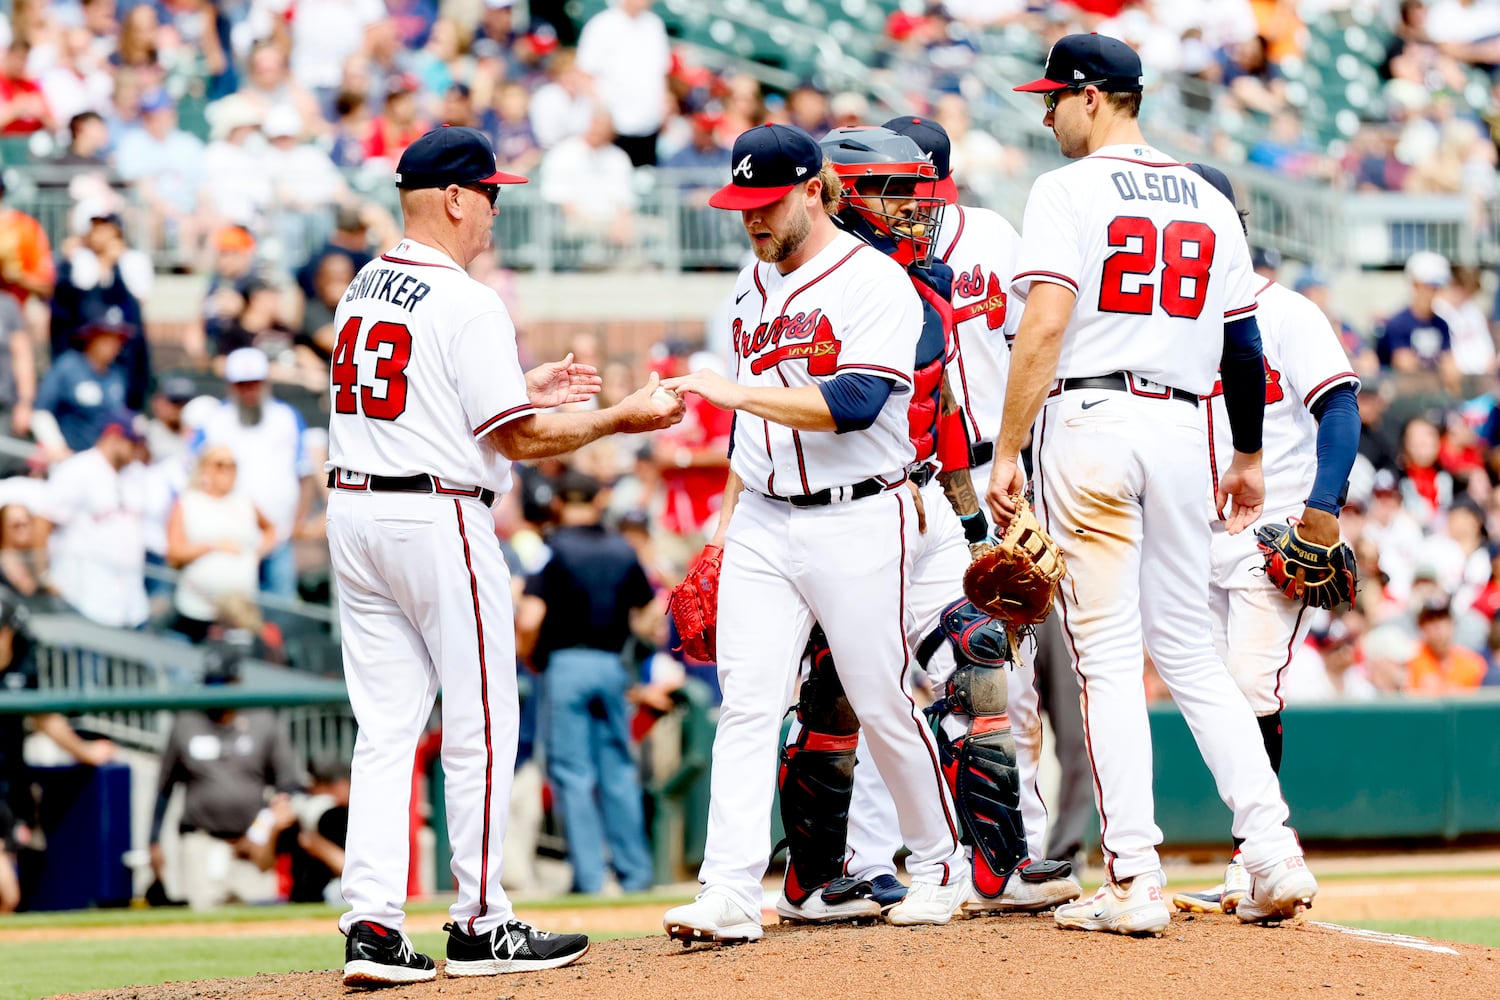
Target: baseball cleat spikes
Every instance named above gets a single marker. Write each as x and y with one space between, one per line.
712 918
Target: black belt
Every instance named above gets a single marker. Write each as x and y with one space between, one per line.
1121 382
981 454
921 475
822 498
420 483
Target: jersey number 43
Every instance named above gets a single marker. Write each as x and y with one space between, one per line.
1187 251
385 397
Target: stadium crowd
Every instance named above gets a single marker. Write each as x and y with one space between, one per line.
234 140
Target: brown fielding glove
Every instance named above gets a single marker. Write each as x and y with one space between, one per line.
1013 580
1319 576
694 605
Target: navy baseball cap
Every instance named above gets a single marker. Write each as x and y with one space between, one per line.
1089 60
933 140
769 160
451 154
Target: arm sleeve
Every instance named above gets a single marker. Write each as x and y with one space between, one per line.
855 399
491 385
1051 246
1337 413
1243 374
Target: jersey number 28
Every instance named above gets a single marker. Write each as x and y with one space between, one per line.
386 398
1184 279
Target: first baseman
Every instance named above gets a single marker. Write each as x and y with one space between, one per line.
430 406
1139 292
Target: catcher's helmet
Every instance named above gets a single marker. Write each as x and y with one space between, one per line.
890 185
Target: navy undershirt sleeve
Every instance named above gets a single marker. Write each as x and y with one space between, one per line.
1337 414
1242 372
855 399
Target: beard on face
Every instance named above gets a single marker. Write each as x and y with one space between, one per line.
779 248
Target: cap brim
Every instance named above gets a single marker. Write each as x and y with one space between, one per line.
736 197
946 190
1041 86
501 178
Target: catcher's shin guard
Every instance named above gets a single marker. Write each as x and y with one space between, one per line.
980 764
816 778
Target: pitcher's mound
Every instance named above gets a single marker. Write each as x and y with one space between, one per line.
1012 957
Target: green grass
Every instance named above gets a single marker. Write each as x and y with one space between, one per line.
44 968
1470 930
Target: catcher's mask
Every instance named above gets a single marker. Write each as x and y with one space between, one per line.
890 186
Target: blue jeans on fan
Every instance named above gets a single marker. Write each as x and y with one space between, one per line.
593 775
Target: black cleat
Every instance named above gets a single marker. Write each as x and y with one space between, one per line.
513 946
378 956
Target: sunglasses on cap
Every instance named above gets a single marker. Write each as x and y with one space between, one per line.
1050 98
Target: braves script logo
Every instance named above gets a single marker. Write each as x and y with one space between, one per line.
1274 392
743 167
992 306
811 337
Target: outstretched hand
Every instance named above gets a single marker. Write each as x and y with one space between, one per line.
559 382
724 393
649 408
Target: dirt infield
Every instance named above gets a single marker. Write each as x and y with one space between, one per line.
1014 957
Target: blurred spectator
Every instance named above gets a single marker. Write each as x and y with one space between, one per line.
1313 284
1324 669
83 390
26 267
166 165
1396 534
231 273
259 325
694 460
236 188
400 124
20 564
1440 666
23 107
165 431
592 182
807 108
1468 327
1427 488
1463 163
973 152
457 106
704 154
442 62
351 130
508 124
216 538
1286 149
1416 338
848 109
17 367
578 611
90 524
323 34
1376 443
564 106
17 805
316 339
1253 80
266 437
1371 160
88 145
315 839
497 25
304 182
626 50
350 239
76 83
225 760
137 50
1469 29
269 86
102 280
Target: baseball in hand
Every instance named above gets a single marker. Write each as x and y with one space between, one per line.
664 396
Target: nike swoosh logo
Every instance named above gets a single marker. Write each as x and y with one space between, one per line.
741 296
1090 406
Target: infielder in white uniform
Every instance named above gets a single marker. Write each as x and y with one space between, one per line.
1311 438
817 524
1138 286
973 248
430 406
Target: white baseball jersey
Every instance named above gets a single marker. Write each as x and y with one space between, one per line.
1304 360
982 248
1137 235
849 309
413 332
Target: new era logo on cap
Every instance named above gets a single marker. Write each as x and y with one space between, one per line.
769 160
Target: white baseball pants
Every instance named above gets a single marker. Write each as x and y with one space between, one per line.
1121 480
844 566
1257 628
424 602
940 557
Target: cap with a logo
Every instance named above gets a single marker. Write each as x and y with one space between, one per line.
246 364
933 140
451 154
769 160
1089 60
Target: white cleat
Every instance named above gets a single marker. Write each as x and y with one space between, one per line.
1133 907
1279 894
713 918
816 910
1222 898
1030 888
930 903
